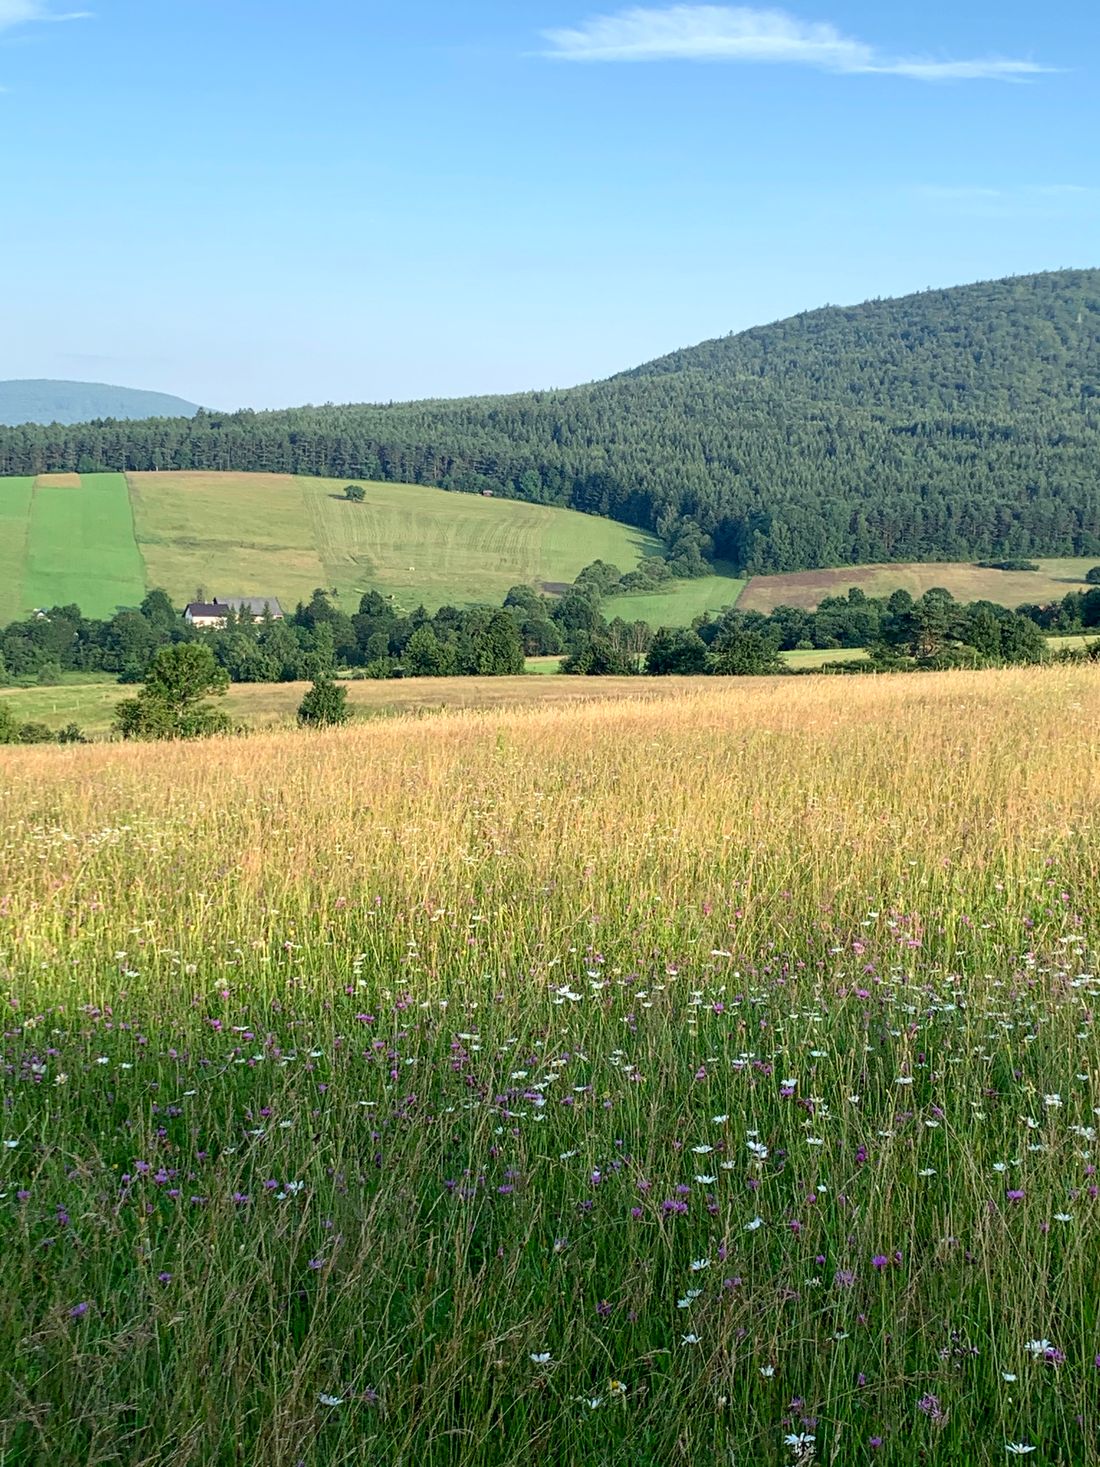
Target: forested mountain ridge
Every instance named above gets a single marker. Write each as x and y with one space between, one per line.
957 424
995 346
44 400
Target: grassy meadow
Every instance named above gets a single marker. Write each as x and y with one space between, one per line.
965 580
286 535
706 1078
80 546
65 539
679 603
15 508
275 705
102 540
90 702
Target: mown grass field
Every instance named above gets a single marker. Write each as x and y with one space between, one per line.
287 535
103 540
695 1080
61 543
107 540
80 547
965 581
15 508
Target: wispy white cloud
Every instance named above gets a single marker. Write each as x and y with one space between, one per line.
25 12
741 33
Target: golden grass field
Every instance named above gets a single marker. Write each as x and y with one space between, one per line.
702 1077
274 705
92 704
861 783
966 582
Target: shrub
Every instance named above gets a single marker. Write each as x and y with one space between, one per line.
324 706
35 733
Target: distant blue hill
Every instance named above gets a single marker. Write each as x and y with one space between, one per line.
45 401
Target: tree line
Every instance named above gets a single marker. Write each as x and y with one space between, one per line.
320 639
315 640
950 425
900 633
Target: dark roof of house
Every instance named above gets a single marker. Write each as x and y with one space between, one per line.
256 605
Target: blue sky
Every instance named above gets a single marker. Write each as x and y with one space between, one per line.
268 203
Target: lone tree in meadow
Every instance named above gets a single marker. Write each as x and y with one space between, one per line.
356 493
170 704
324 706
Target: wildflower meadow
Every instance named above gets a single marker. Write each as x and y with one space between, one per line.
701 1080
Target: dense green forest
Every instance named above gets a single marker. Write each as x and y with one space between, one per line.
953 424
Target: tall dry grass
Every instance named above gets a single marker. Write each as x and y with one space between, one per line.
479 985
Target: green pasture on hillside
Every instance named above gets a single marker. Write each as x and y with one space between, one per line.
204 535
15 509
201 534
421 544
679 603
80 547
281 535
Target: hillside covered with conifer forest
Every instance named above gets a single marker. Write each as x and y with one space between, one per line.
952 424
